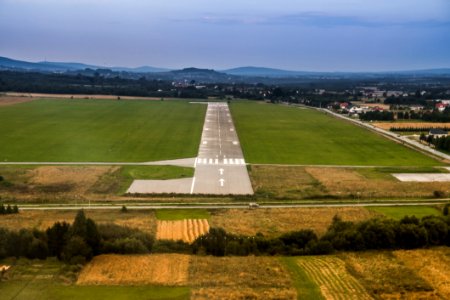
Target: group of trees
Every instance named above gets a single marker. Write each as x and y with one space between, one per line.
377 116
80 241
408 233
74 243
7 210
440 143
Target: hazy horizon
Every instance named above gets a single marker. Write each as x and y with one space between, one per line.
321 35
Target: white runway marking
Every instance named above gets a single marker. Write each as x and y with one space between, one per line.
192 186
225 161
221 171
235 143
221 181
231 129
205 142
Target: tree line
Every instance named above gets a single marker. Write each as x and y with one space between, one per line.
440 143
8 210
374 234
78 242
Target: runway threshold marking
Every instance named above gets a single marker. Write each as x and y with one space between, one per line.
192 185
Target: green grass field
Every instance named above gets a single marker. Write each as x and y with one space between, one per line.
398 212
289 135
181 214
100 130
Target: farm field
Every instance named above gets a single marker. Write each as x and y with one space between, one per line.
181 214
156 269
398 212
100 130
276 221
389 125
275 134
404 274
186 230
51 280
62 182
143 220
293 182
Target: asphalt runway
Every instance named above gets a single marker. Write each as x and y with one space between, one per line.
220 167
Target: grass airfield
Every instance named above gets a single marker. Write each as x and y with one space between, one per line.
68 130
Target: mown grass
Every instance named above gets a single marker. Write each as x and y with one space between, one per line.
181 214
275 134
399 212
306 288
100 130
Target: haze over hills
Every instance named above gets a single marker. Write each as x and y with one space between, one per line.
249 71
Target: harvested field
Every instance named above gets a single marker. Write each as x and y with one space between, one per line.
332 277
81 179
432 265
160 269
389 125
239 278
186 230
273 222
141 219
10 100
352 183
386 277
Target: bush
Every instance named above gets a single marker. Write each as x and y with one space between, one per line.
446 209
438 194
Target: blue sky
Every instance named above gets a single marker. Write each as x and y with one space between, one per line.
316 35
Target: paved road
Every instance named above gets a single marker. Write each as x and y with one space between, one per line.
220 166
224 206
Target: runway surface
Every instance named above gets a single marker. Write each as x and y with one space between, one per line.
220 166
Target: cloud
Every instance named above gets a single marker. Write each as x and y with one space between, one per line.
314 19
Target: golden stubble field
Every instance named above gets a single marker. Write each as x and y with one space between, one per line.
413 274
186 230
276 221
156 269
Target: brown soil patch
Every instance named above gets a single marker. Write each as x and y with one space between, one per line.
350 183
161 269
239 278
79 179
141 219
386 277
432 265
275 221
5 100
387 126
332 277
185 230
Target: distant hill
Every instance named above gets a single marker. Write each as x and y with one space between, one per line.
48 66
264 72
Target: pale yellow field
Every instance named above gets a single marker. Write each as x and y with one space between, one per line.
158 269
332 277
11 100
185 230
273 222
432 265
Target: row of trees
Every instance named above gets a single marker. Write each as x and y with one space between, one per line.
408 233
75 243
440 143
377 116
79 242
7 210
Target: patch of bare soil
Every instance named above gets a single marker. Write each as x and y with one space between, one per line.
8 100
